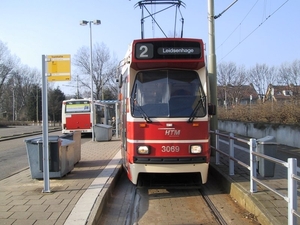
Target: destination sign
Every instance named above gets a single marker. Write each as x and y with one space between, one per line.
178 51
168 50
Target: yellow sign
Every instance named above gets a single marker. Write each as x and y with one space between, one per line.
59 67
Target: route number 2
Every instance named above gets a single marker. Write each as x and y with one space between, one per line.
144 51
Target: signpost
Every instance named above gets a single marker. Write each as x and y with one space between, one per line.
54 68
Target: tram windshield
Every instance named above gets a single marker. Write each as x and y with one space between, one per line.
168 93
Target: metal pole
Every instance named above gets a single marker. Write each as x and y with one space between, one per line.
45 128
253 185
96 22
92 90
77 87
37 105
102 93
292 191
13 100
117 119
142 24
231 153
212 67
217 147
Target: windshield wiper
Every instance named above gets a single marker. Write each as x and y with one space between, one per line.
134 103
201 103
142 112
132 99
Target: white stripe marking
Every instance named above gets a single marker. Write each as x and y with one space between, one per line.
82 209
166 141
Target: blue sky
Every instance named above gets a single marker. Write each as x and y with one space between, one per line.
32 28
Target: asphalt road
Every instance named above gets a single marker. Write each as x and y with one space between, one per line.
13 155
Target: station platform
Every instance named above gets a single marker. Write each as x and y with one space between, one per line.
74 199
265 205
79 197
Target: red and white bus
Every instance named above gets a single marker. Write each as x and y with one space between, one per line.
164 111
76 115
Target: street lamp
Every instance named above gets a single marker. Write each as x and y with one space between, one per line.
83 23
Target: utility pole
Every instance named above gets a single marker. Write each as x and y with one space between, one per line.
77 89
212 67
37 105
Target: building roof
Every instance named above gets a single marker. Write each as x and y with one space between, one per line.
282 92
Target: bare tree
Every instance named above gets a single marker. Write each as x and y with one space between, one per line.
295 72
272 75
103 71
283 74
261 76
239 83
230 75
18 86
226 73
7 64
28 80
289 75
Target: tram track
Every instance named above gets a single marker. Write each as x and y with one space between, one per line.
136 214
26 134
213 208
132 213
158 203
178 190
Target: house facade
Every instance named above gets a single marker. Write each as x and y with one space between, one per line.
283 93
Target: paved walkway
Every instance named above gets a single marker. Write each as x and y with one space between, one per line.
75 198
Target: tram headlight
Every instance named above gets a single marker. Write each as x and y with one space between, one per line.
195 149
143 150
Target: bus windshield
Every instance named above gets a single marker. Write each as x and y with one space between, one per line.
168 93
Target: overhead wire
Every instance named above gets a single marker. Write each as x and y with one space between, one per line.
238 25
252 30
182 23
153 12
217 16
181 19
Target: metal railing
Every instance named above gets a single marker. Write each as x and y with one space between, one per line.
291 166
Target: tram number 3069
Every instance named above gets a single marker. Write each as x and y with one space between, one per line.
170 148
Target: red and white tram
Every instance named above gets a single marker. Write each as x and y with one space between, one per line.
164 108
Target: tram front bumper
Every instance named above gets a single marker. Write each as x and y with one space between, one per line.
136 169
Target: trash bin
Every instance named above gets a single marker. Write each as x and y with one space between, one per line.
67 157
103 132
266 146
76 137
61 156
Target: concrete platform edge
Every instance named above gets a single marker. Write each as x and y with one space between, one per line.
104 196
243 197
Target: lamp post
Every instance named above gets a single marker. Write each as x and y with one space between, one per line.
83 23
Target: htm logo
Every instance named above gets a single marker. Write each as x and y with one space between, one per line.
172 132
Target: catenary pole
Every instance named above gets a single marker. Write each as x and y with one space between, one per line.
212 67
